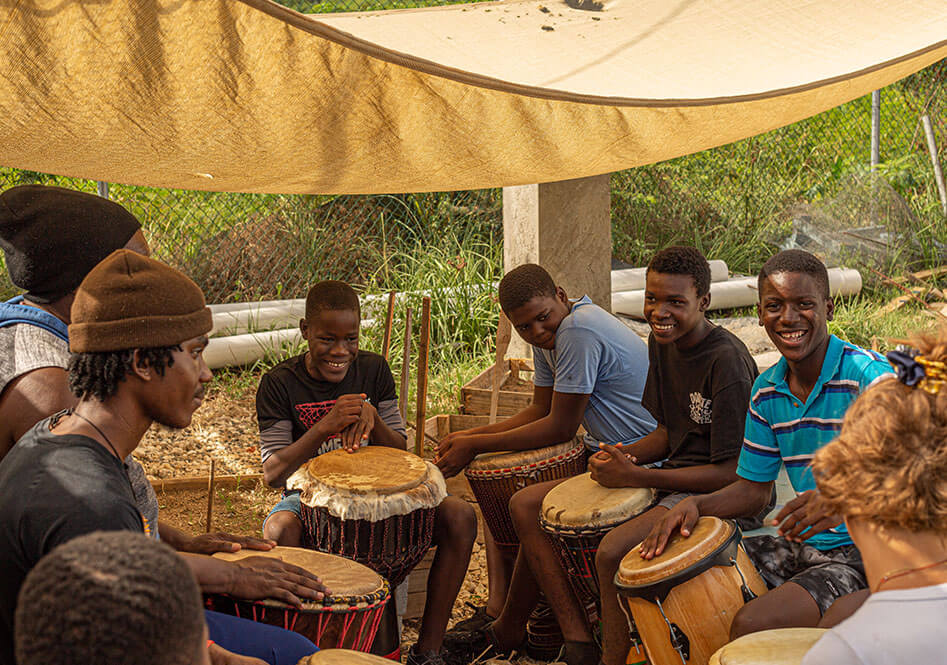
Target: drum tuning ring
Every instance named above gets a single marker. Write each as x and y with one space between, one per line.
679 640
748 594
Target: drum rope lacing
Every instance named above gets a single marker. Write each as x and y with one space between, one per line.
525 469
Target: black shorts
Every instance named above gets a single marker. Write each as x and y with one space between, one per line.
826 575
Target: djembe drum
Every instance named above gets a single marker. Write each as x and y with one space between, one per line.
375 506
782 646
348 618
496 477
683 601
343 657
577 514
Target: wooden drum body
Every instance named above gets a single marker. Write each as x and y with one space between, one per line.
349 618
375 506
683 601
782 646
577 514
343 657
496 477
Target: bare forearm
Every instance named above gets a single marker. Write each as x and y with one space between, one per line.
212 575
281 464
650 448
543 432
700 479
530 414
743 498
382 435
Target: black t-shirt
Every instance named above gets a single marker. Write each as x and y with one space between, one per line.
289 393
701 396
53 489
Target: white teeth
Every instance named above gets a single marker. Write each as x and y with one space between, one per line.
793 336
662 326
332 364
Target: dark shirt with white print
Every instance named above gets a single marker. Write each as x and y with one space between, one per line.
290 400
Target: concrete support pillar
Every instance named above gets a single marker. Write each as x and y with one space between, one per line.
566 228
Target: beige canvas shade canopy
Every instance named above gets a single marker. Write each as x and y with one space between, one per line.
246 95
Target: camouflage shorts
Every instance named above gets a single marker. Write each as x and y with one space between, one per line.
826 575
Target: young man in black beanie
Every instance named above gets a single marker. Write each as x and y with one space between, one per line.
137 334
51 238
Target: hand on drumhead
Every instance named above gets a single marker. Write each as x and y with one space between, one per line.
612 467
259 577
356 435
806 511
454 452
208 543
346 411
681 517
220 656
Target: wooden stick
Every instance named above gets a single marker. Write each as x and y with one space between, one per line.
907 291
191 483
430 438
210 495
421 406
405 367
388 321
504 332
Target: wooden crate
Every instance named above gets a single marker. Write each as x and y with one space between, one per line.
475 395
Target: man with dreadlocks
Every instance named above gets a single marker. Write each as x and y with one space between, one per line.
137 332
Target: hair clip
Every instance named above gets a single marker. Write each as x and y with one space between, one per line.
914 369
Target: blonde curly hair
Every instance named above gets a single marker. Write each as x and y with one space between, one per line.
889 463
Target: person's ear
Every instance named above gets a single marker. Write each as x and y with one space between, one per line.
304 327
703 302
141 367
561 295
829 309
759 313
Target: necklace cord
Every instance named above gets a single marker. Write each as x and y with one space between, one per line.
907 571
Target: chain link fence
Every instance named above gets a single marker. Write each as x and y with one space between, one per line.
734 202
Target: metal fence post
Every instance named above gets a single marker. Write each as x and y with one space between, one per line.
875 129
932 149
102 188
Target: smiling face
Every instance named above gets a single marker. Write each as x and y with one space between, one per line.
674 310
332 335
537 320
794 311
180 392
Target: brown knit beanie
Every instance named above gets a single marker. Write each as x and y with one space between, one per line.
129 301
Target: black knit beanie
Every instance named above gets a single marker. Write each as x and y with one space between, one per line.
129 301
52 237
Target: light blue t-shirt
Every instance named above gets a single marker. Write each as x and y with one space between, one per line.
782 429
598 355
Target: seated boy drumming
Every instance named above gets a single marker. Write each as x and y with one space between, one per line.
697 388
796 408
893 437
336 396
590 370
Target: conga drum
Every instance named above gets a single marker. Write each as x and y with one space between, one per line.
343 657
782 646
683 601
348 618
375 506
577 514
496 477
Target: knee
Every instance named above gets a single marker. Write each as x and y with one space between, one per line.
284 527
291 648
459 520
524 509
610 552
747 620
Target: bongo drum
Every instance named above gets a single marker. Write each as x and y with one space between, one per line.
683 601
375 506
782 646
348 618
577 514
343 657
496 477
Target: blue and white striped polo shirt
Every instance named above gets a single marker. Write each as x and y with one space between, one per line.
781 428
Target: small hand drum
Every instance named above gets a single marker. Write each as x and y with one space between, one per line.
343 657
349 618
783 646
683 601
375 506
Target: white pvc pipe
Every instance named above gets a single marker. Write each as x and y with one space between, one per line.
259 318
739 292
632 279
246 349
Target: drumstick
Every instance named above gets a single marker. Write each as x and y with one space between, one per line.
421 407
504 332
405 367
210 496
388 321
